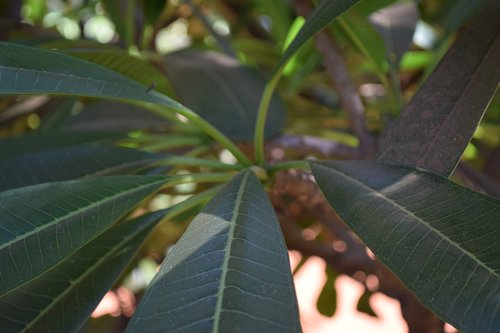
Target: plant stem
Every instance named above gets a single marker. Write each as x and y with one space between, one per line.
215 134
298 164
208 177
262 116
200 162
191 202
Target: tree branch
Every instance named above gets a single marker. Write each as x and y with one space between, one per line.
335 66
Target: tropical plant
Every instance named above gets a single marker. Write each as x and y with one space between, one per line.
81 192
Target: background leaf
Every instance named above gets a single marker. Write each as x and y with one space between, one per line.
429 231
61 299
396 24
223 92
120 61
43 224
228 272
437 125
70 163
323 14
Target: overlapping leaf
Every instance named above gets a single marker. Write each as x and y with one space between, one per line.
223 92
43 224
61 299
71 163
437 125
323 14
439 238
229 272
28 70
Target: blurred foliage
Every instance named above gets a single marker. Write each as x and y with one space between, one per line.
131 37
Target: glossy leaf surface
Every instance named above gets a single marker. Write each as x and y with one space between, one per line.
223 92
71 163
439 238
437 125
28 70
43 224
323 14
228 273
61 299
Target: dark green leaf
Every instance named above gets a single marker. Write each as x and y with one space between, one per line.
44 224
439 238
228 273
61 299
28 70
279 13
322 15
19 145
70 163
437 125
223 92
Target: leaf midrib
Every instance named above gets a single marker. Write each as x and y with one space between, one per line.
76 281
227 256
420 220
5 246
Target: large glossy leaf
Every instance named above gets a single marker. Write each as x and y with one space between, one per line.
19 145
223 92
323 14
437 125
439 238
43 224
61 299
28 70
228 273
70 163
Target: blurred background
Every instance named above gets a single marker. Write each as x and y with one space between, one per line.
387 47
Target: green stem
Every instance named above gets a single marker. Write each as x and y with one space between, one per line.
260 126
215 134
191 202
200 162
208 177
299 164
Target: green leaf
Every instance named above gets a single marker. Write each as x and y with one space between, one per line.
229 271
61 299
322 15
439 238
71 163
437 125
279 13
364 37
44 224
120 61
223 92
19 145
28 70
